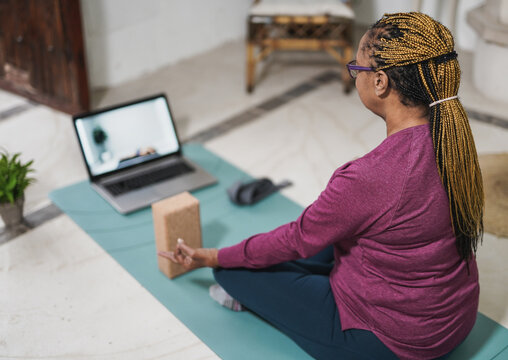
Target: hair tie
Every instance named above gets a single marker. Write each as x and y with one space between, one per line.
445 57
442 100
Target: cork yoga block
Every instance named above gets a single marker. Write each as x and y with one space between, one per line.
173 218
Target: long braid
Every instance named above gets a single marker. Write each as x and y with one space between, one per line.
417 54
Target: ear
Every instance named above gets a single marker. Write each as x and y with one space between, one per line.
381 83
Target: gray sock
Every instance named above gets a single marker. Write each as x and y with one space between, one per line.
222 297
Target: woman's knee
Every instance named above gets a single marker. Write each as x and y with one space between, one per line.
224 276
217 274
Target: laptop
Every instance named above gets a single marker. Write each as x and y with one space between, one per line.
133 154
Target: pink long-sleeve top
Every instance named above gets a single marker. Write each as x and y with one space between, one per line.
397 271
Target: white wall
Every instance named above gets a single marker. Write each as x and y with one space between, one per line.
128 38
503 16
368 11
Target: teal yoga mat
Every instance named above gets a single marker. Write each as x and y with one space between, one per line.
129 239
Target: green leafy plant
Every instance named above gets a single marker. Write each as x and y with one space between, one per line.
14 177
99 135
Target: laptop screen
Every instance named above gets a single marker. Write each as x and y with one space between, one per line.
127 135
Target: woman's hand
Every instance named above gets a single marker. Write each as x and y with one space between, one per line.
191 258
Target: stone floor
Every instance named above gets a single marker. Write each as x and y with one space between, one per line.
64 297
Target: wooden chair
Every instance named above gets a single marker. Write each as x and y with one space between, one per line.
315 25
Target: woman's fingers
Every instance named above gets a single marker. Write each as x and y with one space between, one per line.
189 257
184 248
164 254
168 255
183 260
173 256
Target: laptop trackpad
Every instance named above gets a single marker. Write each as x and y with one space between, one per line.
173 187
145 196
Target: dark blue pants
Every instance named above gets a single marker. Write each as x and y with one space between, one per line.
296 297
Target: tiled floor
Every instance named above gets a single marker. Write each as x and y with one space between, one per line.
63 297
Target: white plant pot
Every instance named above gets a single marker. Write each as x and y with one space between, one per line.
12 214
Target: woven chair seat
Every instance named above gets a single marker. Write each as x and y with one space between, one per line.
335 8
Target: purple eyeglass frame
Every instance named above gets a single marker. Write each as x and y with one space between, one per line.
351 66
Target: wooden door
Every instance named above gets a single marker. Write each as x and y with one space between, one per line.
42 53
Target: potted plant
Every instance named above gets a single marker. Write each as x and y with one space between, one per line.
100 137
14 180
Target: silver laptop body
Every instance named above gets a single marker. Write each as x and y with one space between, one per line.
133 154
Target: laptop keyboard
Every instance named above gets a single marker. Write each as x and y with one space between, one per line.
142 180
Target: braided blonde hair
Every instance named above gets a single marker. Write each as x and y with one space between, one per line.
417 53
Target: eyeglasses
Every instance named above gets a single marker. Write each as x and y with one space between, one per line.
354 69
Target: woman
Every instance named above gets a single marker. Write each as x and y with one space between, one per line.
389 245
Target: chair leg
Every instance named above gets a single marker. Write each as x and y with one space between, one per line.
346 79
251 67
343 59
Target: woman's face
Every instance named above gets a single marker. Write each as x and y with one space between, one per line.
365 81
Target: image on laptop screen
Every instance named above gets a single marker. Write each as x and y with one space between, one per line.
126 136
